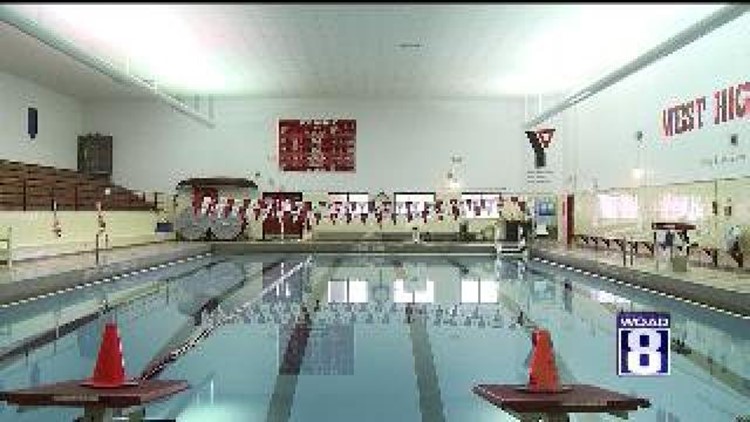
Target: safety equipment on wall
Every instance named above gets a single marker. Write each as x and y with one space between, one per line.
191 225
225 224
226 228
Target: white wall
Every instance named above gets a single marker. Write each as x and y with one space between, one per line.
401 145
59 124
600 131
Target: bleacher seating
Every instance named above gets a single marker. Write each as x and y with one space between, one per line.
35 187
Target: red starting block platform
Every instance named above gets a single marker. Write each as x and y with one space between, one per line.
73 394
579 398
106 390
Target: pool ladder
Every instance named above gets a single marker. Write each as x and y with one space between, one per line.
96 244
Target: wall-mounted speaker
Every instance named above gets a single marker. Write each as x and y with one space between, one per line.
33 123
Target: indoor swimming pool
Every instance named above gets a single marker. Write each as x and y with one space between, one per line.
392 338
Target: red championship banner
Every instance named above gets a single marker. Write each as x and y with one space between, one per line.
317 145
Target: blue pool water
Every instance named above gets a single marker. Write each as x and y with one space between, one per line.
362 361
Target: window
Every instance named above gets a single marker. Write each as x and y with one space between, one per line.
356 202
489 210
680 208
479 291
617 207
418 202
359 203
337 197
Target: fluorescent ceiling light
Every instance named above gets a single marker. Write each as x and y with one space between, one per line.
154 41
580 44
579 97
673 43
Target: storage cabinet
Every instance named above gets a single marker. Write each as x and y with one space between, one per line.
95 155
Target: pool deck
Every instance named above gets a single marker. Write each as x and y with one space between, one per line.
727 290
35 277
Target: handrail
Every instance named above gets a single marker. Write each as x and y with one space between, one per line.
96 247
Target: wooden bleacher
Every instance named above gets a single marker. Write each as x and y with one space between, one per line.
34 187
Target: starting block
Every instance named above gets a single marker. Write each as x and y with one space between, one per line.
105 391
544 398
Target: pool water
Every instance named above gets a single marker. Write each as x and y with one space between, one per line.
392 338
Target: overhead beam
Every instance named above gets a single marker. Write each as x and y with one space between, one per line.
32 29
713 21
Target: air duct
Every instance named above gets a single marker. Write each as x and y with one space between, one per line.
32 29
715 20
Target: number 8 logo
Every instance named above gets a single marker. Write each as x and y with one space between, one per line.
651 349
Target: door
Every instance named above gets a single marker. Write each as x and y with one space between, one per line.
290 224
568 216
95 155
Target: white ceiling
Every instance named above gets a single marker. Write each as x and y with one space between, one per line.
338 50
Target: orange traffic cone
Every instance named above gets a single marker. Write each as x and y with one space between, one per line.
110 364
543 371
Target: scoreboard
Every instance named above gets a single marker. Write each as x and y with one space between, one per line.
317 145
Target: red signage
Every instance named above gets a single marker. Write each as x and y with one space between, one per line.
317 145
728 104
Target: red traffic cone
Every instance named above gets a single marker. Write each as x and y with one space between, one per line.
110 364
543 371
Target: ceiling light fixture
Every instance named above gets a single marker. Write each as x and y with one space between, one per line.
32 29
697 30
579 97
